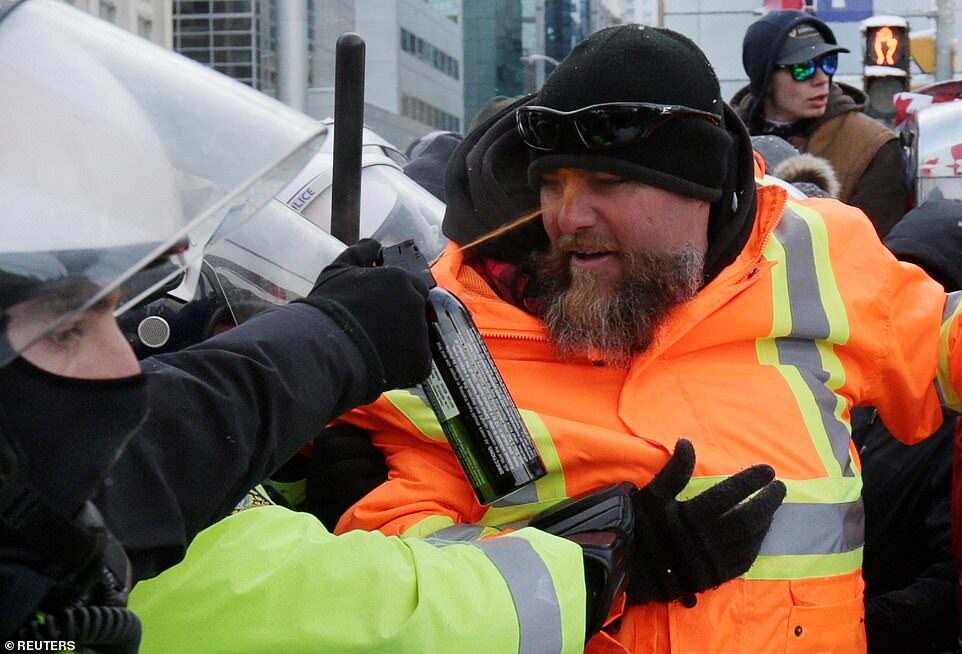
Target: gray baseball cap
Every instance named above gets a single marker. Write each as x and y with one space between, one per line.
805 42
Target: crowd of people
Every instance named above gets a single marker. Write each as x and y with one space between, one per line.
743 399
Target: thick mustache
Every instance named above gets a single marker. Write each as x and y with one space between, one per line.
586 243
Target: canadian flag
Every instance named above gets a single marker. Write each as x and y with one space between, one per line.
908 103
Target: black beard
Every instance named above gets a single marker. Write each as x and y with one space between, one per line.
583 319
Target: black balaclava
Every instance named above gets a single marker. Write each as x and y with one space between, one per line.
762 46
59 437
67 433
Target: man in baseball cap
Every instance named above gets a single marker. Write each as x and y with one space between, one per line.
790 58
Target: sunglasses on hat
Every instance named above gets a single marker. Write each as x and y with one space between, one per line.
601 126
805 70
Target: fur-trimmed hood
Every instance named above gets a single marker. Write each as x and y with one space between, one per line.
813 175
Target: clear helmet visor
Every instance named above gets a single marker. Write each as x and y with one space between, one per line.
120 162
271 259
394 207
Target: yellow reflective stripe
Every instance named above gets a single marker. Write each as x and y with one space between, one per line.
804 566
831 297
550 488
428 526
804 291
839 328
826 490
767 351
418 412
943 380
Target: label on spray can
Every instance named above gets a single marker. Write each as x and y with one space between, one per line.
438 395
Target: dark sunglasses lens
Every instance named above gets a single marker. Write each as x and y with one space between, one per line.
539 130
829 64
615 126
803 71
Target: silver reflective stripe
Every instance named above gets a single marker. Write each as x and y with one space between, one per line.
816 529
527 494
809 323
533 591
456 533
951 303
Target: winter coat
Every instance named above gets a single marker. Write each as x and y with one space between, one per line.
249 399
865 154
909 577
762 366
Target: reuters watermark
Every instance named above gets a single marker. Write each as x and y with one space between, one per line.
39 646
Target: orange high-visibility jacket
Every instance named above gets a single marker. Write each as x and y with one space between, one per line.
764 365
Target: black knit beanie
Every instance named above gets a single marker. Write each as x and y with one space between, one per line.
636 63
761 46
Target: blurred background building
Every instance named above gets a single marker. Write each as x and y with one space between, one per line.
150 19
431 64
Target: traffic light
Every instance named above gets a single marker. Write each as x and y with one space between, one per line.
885 65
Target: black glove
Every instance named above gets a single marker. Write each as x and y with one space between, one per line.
383 307
683 548
344 467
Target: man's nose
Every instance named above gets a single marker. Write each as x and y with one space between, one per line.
820 77
578 210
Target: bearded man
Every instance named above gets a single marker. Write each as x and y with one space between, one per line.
664 294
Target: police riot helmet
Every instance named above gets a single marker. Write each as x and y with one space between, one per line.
394 208
121 162
271 259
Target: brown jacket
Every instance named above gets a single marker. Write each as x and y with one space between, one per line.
865 154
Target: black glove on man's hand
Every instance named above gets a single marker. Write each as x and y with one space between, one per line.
344 467
386 304
683 548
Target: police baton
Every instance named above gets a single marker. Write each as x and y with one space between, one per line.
348 134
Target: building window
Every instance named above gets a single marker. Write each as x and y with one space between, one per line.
108 11
426 113
145 27
429 54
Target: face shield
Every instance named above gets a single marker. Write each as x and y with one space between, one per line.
271 259
393 207
120 162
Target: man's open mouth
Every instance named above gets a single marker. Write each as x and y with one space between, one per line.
591 255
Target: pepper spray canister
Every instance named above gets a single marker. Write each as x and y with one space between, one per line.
468 395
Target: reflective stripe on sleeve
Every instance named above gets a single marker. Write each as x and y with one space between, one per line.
529 581
943 381
533 592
